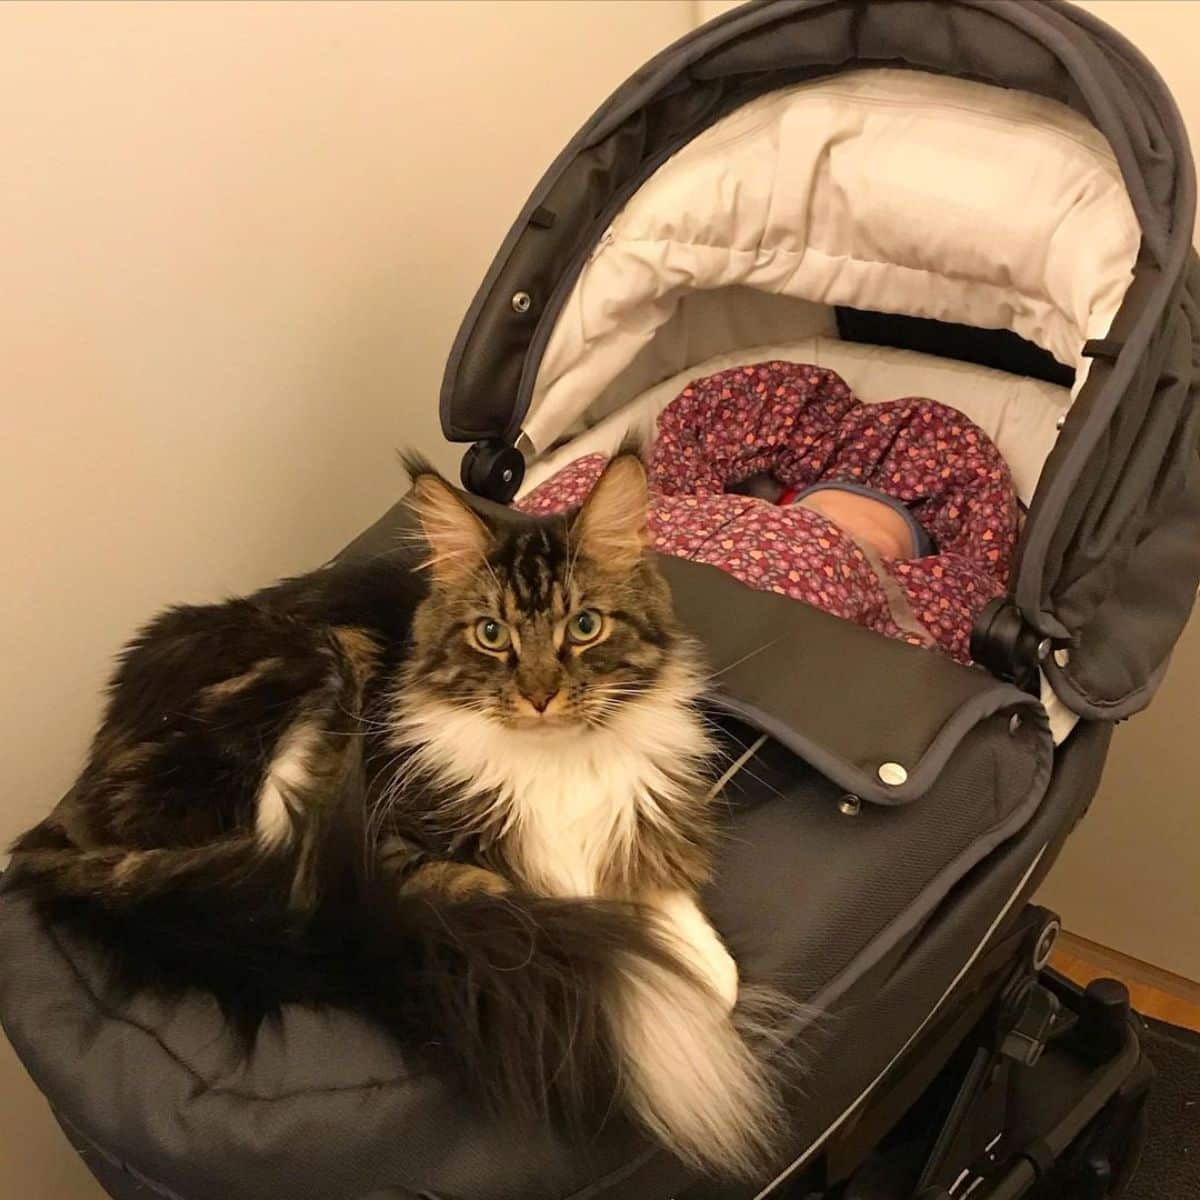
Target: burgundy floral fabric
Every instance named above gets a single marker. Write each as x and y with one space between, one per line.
803 425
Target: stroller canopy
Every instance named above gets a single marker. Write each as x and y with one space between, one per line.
988 165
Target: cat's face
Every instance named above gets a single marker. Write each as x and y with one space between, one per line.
542 624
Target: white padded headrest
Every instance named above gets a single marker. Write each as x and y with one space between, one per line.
886 190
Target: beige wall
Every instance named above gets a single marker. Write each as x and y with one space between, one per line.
236 242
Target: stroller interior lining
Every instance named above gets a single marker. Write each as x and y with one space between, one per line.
884 190
1019 414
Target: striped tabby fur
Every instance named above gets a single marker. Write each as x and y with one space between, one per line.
471 803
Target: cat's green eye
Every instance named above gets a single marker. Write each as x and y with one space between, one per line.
585 626
492 634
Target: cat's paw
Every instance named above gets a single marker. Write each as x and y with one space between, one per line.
479 880
458 881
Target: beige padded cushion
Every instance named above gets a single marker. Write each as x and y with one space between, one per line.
892 191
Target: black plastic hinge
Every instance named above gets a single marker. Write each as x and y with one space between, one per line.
1041 1020
1039 1156
493 469
1006 645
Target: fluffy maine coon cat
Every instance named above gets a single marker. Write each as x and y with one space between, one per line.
469 805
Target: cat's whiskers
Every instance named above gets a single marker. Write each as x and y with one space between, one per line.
409 537
491 572
604 700
737 662
572 555
720 730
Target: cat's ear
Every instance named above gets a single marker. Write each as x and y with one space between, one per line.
458 539
611 526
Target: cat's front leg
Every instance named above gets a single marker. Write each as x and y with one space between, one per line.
700 944
451 880
455 880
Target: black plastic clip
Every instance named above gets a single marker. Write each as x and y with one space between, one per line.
1002 642
1041 1020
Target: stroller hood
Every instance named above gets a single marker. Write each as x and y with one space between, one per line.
1110 555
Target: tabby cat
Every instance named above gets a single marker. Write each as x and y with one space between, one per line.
469 802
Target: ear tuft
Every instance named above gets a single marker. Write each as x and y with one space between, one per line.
415 464
611 525
458 539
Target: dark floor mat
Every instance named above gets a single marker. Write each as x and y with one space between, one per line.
1170 1166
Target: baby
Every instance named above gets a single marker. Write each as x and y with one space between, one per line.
899 516
863 513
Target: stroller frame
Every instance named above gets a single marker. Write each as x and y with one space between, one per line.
1008 1081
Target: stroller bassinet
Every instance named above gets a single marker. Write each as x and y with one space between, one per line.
989 203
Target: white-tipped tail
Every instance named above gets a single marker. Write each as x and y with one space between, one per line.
689 1076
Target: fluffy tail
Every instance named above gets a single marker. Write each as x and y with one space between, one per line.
125 878
559 1002
544 1006
707 1092
169 919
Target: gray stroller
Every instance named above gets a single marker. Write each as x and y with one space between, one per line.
986 202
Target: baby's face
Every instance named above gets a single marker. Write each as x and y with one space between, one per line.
867 519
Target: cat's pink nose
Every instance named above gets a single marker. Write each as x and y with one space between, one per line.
540 697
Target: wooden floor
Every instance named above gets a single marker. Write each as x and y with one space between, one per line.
1154 992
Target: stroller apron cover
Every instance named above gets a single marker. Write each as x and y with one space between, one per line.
990 204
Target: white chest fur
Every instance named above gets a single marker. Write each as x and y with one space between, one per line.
569 802
575 807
